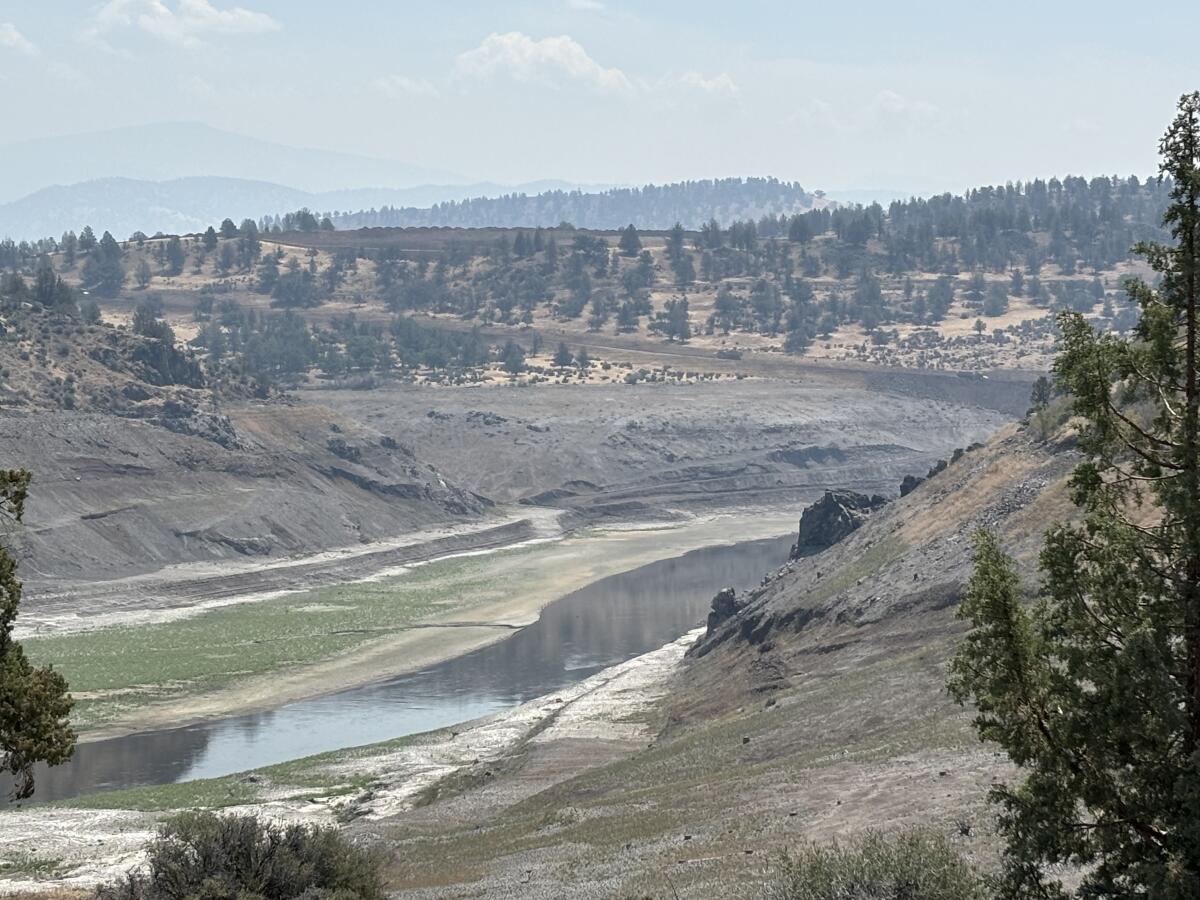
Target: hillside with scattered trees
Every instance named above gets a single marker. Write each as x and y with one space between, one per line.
953 281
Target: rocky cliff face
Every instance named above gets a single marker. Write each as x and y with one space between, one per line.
911 556
832 518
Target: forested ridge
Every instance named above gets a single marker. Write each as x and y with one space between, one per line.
651 206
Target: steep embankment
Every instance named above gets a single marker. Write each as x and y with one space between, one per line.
138 466
818 709
116 496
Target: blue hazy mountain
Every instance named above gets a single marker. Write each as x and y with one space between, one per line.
170 150
181 205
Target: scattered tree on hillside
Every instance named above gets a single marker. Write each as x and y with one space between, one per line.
67 246
675 242
104 271
142 274
995 303
630 243
513 358
174 256
673 321
50 291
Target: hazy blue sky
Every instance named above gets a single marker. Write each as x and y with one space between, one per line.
917 96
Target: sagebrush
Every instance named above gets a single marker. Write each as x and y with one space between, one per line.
913 865
206 856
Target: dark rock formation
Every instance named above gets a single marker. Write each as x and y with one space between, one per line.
833 517
724 608
912 482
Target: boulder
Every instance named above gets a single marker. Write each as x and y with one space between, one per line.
832 518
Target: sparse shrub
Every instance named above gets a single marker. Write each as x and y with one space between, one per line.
913 865
205 856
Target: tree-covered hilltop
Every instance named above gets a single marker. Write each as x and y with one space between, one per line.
949 281
652 206
1050 244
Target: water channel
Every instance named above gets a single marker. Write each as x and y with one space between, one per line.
602 624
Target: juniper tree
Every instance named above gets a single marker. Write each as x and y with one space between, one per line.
630 243
34 703
563 356
1094 692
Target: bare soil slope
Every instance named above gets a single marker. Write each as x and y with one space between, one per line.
114 496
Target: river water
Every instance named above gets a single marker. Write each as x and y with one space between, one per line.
605 623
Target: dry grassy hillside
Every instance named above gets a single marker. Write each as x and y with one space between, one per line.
345 269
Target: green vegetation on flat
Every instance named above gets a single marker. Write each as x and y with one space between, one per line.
27 865
114 670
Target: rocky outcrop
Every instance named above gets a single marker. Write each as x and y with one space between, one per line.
833 517
724 608
912 482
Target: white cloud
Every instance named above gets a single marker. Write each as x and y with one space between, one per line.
895 108
720 85
398 86
12 39
586 5
187 25
886 112
555 61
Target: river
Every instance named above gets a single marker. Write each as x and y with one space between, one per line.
604 623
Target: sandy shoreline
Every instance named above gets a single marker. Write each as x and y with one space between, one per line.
564 565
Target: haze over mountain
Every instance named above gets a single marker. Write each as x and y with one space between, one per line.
181 205
169 150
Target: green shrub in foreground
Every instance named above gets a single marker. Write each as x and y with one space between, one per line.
205 856
913 865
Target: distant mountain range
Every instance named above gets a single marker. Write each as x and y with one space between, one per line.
181 205
170 150
180 177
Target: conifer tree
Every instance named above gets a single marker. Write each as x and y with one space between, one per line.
1095 691
630 243
34 703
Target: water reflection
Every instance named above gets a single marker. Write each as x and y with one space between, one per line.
597 626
